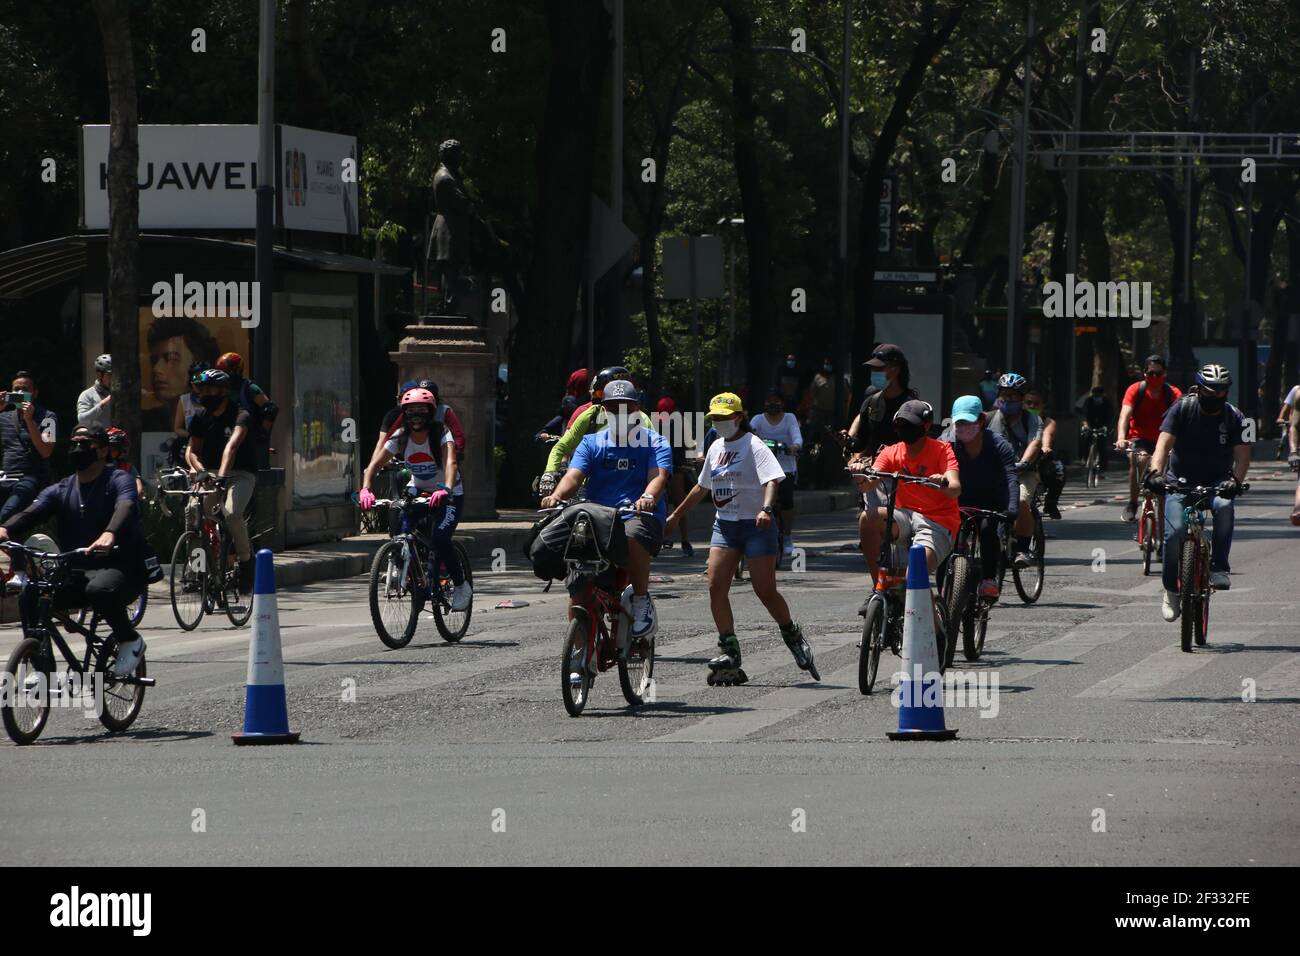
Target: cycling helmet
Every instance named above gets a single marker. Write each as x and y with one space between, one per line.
1012 381
197 369
117 438
104 363
231 363
419 396
604 377
1214 377
213 376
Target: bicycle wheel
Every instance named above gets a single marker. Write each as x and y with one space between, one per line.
453 625
942 645
136 607
238 602
188 580
1029 580
573 665
394 594
122 700
1147 540
974 626
1189 595
959 581
873 642
25 713
636 668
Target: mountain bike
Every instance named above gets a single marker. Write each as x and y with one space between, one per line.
882 611
599 632
204 576
967 608
1194 558
1093 438
406 575
1029 579
29 679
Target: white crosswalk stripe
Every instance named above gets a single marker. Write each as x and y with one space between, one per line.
1165 666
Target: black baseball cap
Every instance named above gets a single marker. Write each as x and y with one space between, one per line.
96 433
915 411
885 354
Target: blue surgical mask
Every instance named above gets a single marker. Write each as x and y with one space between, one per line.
1009 406
879 380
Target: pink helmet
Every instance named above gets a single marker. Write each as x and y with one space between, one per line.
419 396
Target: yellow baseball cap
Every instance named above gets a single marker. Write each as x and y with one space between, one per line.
725 405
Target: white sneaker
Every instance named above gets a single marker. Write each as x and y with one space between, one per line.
16 583
1220 581
1171 607
461 595
128 657
644 620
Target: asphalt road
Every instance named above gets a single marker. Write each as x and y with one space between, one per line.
463 754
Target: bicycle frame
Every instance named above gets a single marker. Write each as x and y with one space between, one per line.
604 609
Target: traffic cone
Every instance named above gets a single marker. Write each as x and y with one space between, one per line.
266 715
920 694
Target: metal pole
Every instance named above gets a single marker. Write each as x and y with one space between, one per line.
1190 312
843 359
731 319
616 157
261 364
695 321
1072 190
1018 198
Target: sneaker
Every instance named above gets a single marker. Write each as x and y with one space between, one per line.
461 595
687 549
1053 512
128 657
989 590
1295 517
644 619
16 583
1130 511
1023 559
1170 607
1220 581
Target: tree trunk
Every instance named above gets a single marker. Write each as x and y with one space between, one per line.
578 34
123 216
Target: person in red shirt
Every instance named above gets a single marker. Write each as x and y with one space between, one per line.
1140 415
922 515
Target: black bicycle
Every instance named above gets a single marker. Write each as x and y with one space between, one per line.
205 572
1029 579
966 607
406 575
882 611
1093 439
31 672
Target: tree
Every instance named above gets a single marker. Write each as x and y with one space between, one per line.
123 215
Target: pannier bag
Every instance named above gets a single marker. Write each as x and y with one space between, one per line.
582 532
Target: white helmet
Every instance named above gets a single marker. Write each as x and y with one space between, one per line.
1214 377
104 363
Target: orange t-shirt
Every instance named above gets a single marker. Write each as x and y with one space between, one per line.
1146 418
936 457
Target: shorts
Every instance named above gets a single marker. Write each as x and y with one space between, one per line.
916 528
746 537
1143 446
785 493
645 529
1029 481
873 499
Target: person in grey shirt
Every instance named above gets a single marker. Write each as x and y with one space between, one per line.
92 404
1024 431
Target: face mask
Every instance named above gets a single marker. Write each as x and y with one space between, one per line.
82 457
211 402
417 423
879 380
1033 408
1009 405
967 431
1211 403
726 429
909 433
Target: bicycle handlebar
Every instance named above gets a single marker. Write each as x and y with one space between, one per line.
54 555
871 473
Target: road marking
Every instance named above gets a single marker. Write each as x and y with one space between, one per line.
1165 666
1282 681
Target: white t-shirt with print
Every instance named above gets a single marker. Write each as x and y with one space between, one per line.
735 472
786 432
424 465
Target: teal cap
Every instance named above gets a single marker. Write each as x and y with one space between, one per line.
968 408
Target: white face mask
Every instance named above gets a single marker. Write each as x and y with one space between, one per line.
726 429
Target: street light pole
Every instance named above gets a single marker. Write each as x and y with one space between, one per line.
1016 244
261 363
843 361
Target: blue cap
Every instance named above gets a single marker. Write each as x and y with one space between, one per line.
407 386
968 408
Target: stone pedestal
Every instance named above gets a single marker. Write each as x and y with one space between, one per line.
461 358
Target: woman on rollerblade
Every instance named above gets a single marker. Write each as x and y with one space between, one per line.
742 475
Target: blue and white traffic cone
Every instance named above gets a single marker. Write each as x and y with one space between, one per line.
266 715
920 694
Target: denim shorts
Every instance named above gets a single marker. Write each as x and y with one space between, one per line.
746 537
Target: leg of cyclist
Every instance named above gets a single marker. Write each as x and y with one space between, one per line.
1142 461
871 528
238 494
442 528
1024 527
108 591
1130 511
19 496
990 547
1224 518
1170 608
645 536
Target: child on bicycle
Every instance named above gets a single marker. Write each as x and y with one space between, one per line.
986 463
743 477
922 515
429 450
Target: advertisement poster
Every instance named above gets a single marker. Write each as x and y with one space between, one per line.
313 192
168 346
322 375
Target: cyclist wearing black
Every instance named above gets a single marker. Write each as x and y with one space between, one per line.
1051 469
986 463
1097 413
873 428
248 395
1024 431
96 508
27 434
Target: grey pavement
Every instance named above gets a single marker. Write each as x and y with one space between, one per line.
463 754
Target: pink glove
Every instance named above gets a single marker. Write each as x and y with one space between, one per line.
366 498
438 498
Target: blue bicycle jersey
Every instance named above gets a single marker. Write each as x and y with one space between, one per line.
620 473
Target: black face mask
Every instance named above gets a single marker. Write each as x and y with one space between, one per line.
417 423
1211 403
211 402
909 433
82 456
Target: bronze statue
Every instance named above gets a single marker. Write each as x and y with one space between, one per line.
457 223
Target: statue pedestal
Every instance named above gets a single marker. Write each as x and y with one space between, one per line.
461 358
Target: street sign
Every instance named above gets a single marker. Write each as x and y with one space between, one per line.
677 255
911 276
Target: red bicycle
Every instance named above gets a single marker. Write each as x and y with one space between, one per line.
599 630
